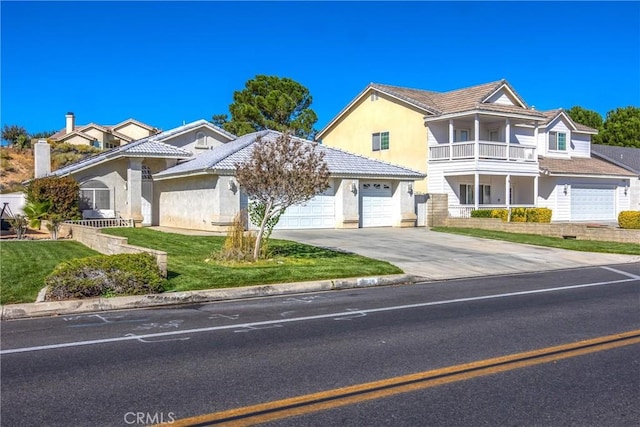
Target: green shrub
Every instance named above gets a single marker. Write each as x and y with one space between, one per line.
62 192
481 213
503 214
539 215
629 219
105 275
518 215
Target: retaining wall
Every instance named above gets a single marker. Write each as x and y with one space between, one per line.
111 245
564 230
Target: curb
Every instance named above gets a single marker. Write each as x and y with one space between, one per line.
55 308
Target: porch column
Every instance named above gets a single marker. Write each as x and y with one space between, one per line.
507 186
535 138
535 191
450 139
508 137
134 190
476 191
476 131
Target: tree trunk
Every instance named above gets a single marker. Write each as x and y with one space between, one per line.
263 224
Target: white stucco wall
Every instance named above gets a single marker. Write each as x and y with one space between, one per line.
187 202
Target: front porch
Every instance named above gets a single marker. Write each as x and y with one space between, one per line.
475 191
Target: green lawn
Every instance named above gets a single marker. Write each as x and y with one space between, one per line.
292 262
25 264
554 242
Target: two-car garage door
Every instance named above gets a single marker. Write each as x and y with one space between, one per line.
376 209
593 203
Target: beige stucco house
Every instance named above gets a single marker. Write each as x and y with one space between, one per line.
185 177
484 147
102 136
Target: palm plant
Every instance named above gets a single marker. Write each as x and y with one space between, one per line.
36 212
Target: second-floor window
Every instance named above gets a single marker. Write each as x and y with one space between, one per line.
380 141
461 135
557 141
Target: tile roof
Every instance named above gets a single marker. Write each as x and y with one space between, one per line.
341 163
581 166
458 100
104 128
626 157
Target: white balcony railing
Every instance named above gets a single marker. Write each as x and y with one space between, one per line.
482 150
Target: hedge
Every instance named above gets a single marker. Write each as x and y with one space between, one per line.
105 275
517 214
629 219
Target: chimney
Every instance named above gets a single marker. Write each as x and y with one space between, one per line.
42 158
71 122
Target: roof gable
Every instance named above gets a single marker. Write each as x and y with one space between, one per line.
553 115
505 95
135 122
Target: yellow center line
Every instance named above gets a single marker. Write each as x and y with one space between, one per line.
300 405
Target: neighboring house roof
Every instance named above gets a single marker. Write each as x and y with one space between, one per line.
626 157
578 166
72 134
151 146
442 103
341 163
551 115
62 133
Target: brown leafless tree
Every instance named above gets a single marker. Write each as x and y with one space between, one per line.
280 173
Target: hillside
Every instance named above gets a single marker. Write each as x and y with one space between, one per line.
15 167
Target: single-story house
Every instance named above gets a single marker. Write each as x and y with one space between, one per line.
185 177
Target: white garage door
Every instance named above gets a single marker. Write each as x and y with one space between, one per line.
318 212
593 203
376 204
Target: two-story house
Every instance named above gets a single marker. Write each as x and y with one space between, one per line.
102 136
484 147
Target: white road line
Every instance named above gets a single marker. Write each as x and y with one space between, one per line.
350 313
624 273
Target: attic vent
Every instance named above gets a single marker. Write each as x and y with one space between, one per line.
200 140
374 96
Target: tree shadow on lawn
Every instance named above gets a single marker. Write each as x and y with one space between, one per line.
290 249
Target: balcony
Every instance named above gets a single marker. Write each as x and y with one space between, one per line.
483 150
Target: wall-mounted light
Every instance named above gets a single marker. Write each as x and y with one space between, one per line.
354 188
626 189
125 185
231 185
410 189
566 189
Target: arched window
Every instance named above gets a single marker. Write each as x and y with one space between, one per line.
94 195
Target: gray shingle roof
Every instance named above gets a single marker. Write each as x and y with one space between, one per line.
341 163
581 166
626 157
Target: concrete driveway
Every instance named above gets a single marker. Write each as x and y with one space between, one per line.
437 256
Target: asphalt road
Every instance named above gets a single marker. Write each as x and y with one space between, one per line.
145 366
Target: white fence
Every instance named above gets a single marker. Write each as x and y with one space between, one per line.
103 222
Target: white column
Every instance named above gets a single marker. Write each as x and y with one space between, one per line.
535 190
134 189
476 131
535 138
507 186
450 139
507 130
476 191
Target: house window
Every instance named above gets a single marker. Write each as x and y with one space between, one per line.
200 140
461 135
466 194
380 141
557 141
94 195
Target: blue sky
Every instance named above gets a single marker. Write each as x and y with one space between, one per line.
164 63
